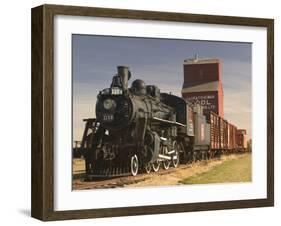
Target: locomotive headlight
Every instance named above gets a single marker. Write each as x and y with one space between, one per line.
109 104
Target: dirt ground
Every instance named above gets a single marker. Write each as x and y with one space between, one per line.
173 176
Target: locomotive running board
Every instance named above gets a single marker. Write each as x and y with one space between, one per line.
168 122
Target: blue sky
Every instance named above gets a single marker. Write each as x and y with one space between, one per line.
159 62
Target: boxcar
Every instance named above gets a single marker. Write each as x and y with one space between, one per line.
223 134
232 130
241 138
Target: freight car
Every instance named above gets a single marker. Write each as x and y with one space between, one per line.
141 129
241 138
223 135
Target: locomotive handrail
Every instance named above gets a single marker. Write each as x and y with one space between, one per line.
169 122
89 119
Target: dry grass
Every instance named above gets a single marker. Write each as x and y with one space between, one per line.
235 170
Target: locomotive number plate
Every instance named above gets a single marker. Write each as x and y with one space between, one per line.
108 117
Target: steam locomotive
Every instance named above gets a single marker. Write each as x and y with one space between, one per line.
140 129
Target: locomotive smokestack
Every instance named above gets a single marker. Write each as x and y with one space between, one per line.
125 74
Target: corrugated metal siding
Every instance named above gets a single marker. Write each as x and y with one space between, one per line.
194 73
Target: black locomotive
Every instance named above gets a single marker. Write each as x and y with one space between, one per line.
140 129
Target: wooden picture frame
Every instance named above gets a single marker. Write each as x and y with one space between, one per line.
42 203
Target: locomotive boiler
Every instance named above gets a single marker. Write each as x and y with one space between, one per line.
134 130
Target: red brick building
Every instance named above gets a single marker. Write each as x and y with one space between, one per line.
203 85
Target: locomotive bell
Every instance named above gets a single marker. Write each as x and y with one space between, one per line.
125 75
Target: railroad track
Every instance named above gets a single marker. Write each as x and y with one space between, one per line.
101 183
162 177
